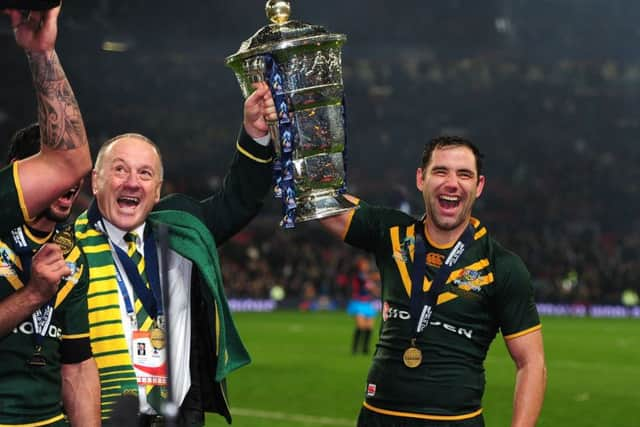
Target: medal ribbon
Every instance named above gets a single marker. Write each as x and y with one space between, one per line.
422 303
41 318
150 297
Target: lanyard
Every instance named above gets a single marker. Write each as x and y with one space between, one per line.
42 316
422 303
151 299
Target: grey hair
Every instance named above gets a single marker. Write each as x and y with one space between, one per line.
109 142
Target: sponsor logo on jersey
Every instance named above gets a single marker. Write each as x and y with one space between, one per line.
371 390
18 237
389 312
435 259
455 253
28 329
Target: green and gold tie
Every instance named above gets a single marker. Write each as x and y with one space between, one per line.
155 394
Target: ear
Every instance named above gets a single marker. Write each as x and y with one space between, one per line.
158 191
481 181
420 179
94 182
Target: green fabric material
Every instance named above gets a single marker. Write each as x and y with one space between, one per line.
189 237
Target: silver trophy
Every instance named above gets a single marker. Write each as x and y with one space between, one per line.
302 65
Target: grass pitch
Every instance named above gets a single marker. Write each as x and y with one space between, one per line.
304 375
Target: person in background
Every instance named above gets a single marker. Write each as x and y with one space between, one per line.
45 350
365 291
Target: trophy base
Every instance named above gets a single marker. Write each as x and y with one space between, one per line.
323 205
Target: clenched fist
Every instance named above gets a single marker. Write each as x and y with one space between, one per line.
48 267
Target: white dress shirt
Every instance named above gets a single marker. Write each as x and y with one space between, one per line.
179 311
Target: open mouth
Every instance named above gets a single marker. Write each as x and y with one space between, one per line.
128 201
449 202
69 194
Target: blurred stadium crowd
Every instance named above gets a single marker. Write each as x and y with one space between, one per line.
556 115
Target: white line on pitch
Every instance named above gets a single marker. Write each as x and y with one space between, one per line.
292 417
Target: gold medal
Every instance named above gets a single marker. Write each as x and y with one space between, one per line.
412 357
157 338
65 239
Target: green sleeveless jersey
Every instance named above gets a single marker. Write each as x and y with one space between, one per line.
31 395
488 290
13 211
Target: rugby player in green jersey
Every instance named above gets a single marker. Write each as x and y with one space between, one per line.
44 338
428 368
29 186
43 335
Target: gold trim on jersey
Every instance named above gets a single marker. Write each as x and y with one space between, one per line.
37 424
21 201
350 215
37 240
75 336
398 257
434 244
422 416
251 156
525 332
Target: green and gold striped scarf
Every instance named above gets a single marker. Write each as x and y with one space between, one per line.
108 343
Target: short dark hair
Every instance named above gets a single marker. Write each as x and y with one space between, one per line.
24 143
451 141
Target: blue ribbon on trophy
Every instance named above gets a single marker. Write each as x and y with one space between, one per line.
343 189
301 63
284 170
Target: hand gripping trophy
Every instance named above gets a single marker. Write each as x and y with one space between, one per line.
301 63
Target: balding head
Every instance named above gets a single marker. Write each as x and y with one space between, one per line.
127 179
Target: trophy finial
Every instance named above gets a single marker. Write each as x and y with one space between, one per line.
278 11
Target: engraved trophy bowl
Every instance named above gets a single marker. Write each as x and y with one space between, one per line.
301 63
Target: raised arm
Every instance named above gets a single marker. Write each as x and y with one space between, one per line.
65 156
248 180
338 224
531 378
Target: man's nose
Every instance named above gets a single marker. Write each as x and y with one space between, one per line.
451 180
132 180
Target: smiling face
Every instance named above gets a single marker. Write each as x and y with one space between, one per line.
450 185
127 181
60 210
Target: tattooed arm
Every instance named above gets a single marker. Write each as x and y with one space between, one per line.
64 155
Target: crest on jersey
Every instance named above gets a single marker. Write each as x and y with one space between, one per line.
468 280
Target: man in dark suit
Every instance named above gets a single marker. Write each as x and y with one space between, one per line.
119 233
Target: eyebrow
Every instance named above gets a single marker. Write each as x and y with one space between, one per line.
437 168
121 159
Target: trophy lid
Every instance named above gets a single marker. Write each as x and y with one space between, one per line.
282 33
